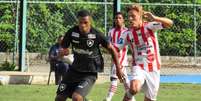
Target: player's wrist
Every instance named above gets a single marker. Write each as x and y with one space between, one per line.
155 18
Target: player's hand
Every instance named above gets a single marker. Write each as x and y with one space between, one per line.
66 51
63 52
149 16
120 75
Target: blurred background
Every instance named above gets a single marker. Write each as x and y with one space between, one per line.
180 46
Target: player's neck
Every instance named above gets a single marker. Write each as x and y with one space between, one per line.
138 27
119 27
85 31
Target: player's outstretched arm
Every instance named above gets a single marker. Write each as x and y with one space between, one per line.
165 21
114 54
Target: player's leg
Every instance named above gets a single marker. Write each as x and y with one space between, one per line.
126 83
83 88
62 92
67 86
137 80
77 97
113 84
60 98
151 86
135 87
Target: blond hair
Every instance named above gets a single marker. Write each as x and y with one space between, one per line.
136 7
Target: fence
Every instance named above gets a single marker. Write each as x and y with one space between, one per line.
179 46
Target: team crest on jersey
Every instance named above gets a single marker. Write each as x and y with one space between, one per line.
62 87
75 34
91 36
90 43
120 41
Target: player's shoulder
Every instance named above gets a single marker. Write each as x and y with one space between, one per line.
111 30
73 29
127 31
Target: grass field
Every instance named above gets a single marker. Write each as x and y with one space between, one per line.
168 92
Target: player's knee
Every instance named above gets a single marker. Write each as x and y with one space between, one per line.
60 98
77 97
135 87
133 91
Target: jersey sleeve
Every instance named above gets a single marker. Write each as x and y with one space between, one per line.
154 26
67 39
123 40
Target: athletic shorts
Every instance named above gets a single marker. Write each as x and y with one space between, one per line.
113 72
76 82
150 81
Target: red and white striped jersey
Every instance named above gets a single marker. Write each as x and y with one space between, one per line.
144 45
114 37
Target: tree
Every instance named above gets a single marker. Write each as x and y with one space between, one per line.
7 26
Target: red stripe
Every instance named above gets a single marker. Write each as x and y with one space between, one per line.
113 88
132 47
135 37
142 66
150 67
144 37
119 34
155 49
150 58
116 48
114 36
123 55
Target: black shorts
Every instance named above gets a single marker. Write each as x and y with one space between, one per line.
76 82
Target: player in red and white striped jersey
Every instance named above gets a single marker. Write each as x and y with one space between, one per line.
114 37
142 38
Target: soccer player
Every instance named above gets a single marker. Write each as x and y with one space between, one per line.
114 36
142 38
85 41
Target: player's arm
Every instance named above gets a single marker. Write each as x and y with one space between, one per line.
163 20
115 58
106 44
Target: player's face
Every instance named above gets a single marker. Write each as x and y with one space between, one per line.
119 20
84 24
135 18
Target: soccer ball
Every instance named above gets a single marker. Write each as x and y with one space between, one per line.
68 59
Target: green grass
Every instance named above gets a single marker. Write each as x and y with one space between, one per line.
168 92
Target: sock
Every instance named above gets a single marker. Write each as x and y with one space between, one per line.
128 96
112 89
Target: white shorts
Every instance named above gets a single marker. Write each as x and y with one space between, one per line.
150 81
113 72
